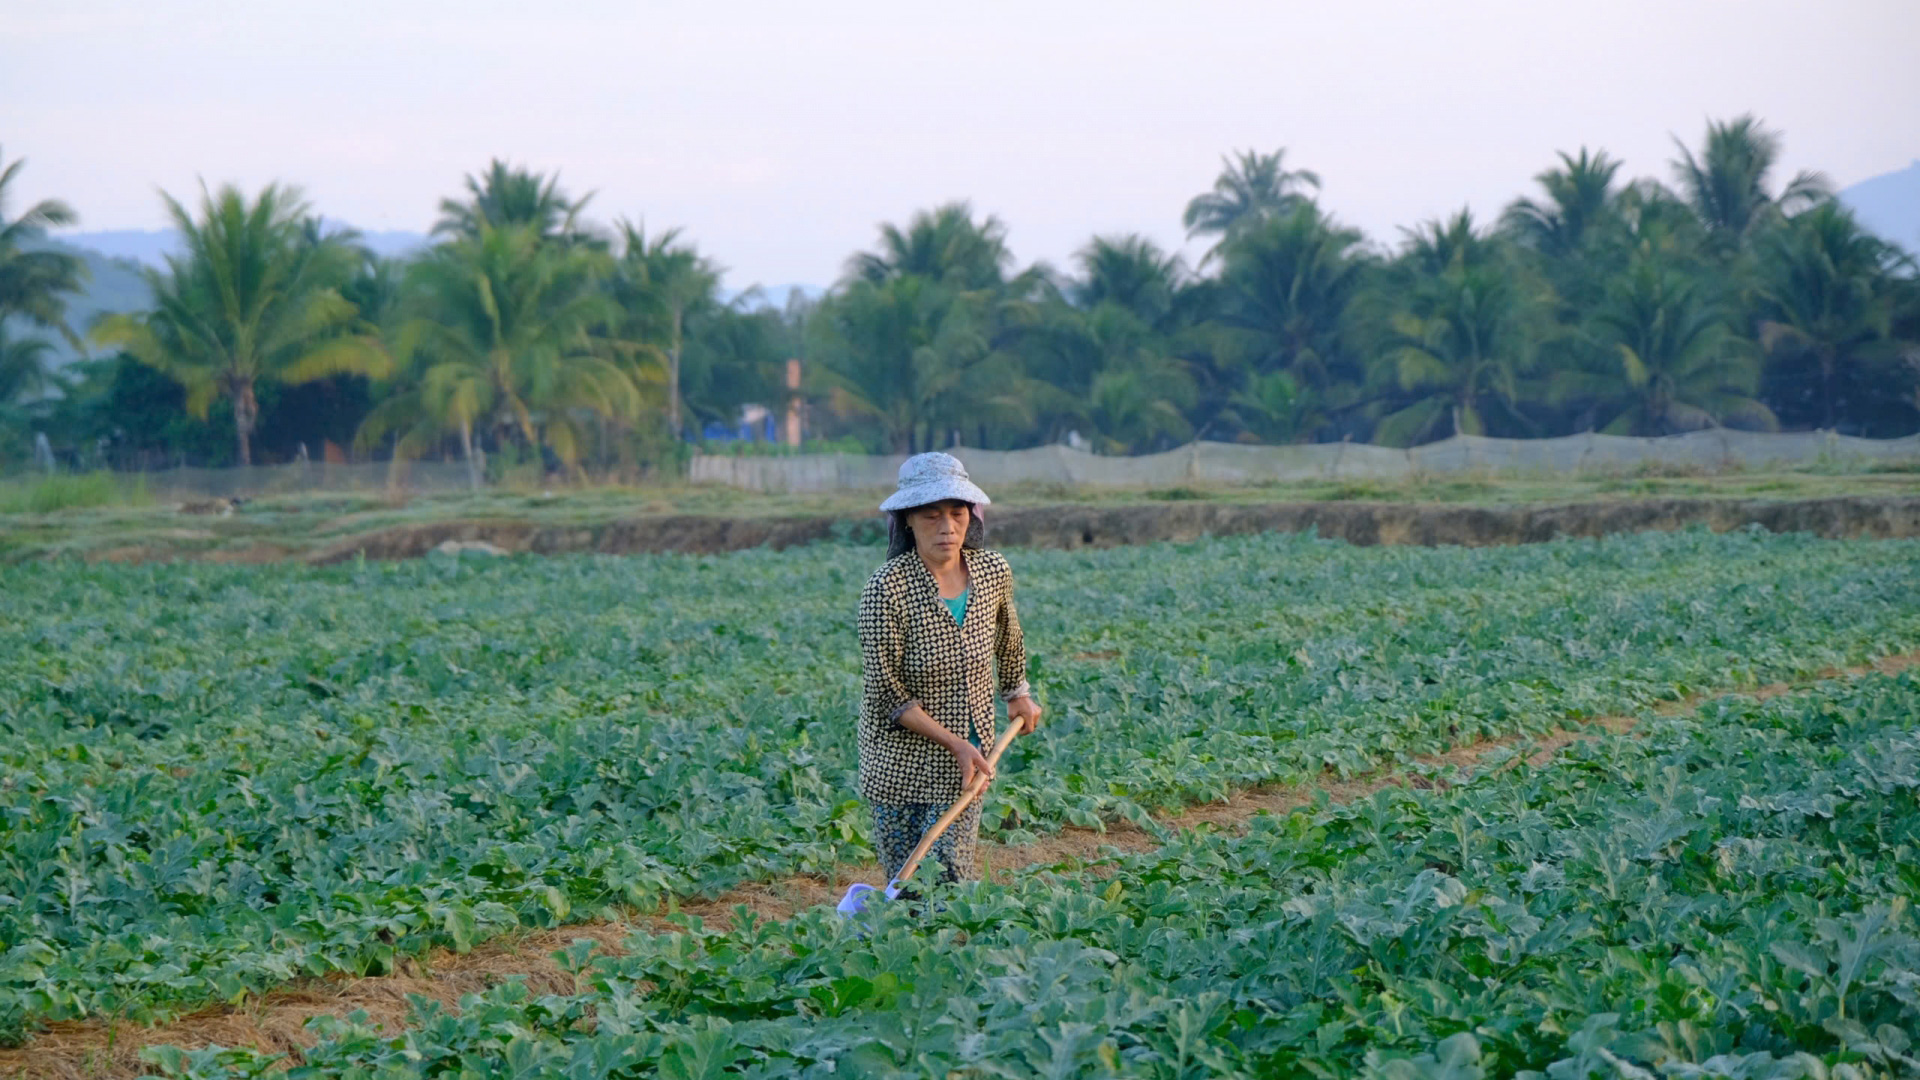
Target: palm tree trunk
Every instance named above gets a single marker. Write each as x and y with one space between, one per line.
1826 389
673 392
467 451
673 380
246 413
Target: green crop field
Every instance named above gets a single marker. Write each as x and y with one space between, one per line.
1726 898
217 780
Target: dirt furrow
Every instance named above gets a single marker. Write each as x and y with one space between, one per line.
1078 526
276 1022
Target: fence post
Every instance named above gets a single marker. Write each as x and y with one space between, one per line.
793 402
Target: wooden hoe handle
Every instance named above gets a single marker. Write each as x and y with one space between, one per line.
973 791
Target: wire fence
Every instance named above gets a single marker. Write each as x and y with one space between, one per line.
1200 463
1211 463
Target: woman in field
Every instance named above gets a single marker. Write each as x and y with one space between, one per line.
936 619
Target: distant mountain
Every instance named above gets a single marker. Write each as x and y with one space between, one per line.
117 257
145 246
115 285
394 243
773 296
1889 205
152 246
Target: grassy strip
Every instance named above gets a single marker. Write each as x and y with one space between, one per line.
92 517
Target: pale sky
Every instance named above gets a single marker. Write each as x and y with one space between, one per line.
779 135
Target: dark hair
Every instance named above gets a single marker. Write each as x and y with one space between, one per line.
900 534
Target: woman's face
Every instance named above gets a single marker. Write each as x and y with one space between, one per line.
939 529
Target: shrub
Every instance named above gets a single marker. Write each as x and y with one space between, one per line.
72 491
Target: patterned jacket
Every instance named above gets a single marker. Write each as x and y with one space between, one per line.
912 652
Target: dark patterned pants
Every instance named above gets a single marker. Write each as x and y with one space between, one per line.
897 831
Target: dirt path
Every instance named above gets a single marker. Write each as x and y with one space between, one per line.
276 1022
1076 526
1072 525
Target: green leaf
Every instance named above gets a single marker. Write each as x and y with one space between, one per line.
460 925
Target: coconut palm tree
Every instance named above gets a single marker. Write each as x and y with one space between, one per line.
1274 408
1727 184
1827 301
1455 243
1252 188
1568 233
34 283
945 245
888 348
1650 220
659 283
26 373
255 297
920 334
439 399
1459 351
736 355
1288 286
25 378
916 357
1132 272
1579 195
1061 357
507 195
496 336
374 288
1133 390
1140 403
1673 361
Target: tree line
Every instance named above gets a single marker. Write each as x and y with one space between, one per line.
527 332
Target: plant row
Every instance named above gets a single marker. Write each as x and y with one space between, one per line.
1723 896
214 780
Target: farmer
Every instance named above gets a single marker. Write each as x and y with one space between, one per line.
935 621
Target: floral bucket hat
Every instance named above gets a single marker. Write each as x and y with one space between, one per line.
932 478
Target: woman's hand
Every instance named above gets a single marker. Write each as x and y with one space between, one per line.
967 755
971 761
1027 709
